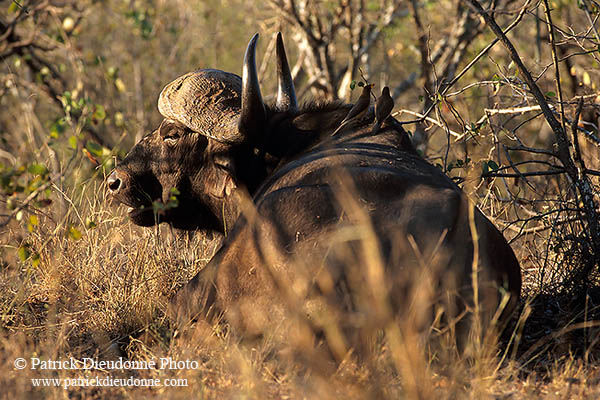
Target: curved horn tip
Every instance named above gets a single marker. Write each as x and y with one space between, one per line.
286 93
250 51
253 113
249 57
280 48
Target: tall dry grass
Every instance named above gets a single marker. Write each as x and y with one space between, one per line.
105 296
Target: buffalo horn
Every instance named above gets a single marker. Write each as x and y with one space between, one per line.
286 94
253 115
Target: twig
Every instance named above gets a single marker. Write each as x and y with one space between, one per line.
25 202
428 119
541 228
5 154
574 129
532 150
589 17
493 174
550 27
514 167
25 9
427 85
592 172
515 110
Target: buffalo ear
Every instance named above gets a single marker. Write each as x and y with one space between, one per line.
224 162
229 186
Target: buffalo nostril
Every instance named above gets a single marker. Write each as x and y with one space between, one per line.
113 182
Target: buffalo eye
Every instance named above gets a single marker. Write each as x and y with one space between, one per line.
223 163
170 132
171 138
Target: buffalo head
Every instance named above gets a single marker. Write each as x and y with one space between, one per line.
212 141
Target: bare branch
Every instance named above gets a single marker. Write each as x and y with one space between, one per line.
493 174
582 184
550 27
574 129
426 81
428 119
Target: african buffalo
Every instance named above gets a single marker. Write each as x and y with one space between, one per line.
339 232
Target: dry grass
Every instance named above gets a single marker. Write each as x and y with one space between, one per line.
104 296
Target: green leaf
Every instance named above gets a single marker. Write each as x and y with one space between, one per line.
57 128
113 72
492 164
73 142
94 148
90 223
74 233
35 260
157 206
67 96
37 169
361 84
24 252
352 85
99 113
485 168
551 94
